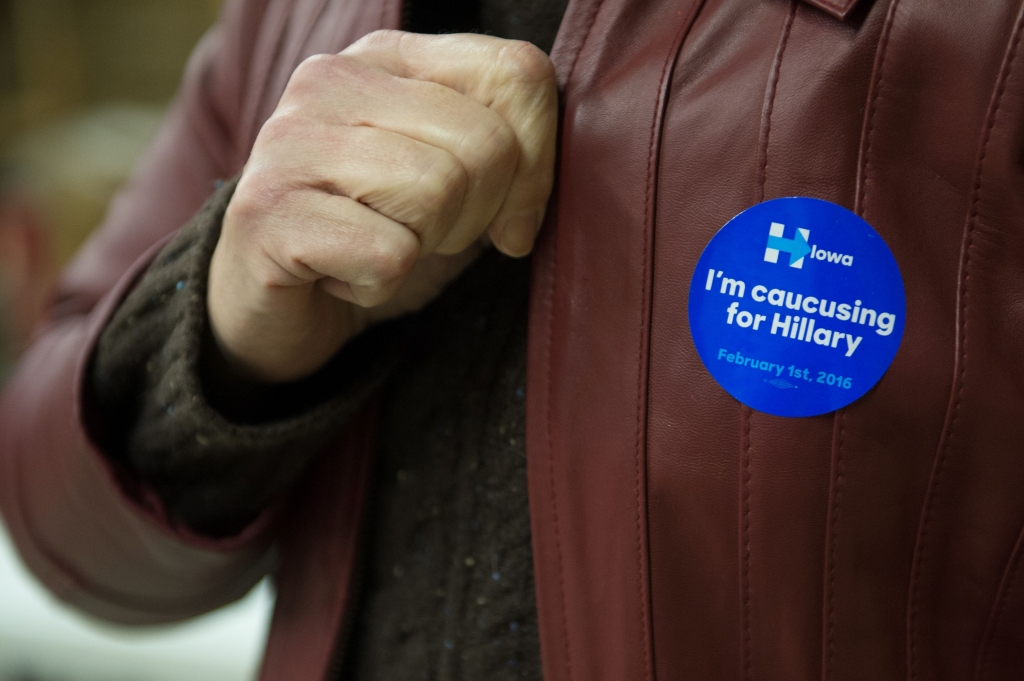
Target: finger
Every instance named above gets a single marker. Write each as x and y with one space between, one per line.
514 228
429 276
479 138
416 184
514 79
367 254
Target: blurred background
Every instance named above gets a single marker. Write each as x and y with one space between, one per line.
83 86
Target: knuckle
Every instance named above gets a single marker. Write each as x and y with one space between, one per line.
441 181
523 61
390 260
311 72
383 38
259 193
280 127
271 261
317 72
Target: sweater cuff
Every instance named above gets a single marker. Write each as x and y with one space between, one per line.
215 463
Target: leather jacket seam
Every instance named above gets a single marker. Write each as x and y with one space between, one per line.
549 385
956 397
744 541
837 6
1010 574
835 494
644 338
764 138
1013 562
769 103
871 111
586 36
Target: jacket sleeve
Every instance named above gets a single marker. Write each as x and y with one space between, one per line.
94 537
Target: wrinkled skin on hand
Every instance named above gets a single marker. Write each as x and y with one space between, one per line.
381 175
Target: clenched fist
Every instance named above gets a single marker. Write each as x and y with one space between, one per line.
372 186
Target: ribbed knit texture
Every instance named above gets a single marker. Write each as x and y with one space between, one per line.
449 574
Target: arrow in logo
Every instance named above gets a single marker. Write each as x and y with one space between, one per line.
796 247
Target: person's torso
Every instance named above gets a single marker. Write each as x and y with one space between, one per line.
676 533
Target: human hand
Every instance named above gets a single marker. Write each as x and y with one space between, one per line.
372 186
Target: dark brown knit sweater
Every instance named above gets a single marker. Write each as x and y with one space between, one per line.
448 588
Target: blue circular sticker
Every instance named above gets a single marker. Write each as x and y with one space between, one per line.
797 307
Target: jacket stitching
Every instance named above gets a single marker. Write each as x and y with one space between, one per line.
586 37
877 78
745 412
643 341
1006 582
1009 575
550 391
835 500
769 106
835 485
953 414
551 468
860 198
745 659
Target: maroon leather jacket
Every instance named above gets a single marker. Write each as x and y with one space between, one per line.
677 535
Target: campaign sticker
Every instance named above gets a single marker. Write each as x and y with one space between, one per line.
797 307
